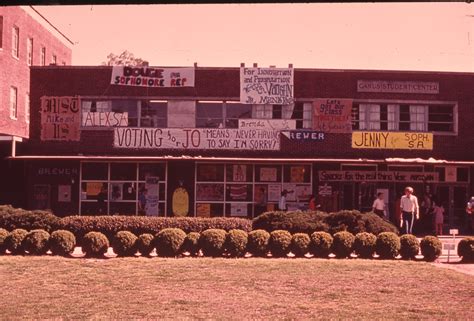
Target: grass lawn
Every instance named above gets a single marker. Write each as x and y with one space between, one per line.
54 287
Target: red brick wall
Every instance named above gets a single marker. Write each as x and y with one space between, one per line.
15 71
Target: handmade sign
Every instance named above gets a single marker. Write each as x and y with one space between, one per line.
304 135
268 124
392 140
266 86
180 202
60 118
104 119
332 115
378 176
152 77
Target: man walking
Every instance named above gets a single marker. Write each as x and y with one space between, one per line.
410 209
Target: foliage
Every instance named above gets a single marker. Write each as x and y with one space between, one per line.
191 243
430 248
125 243
169 241
126 58
292 221
356 222
321 244
343 243
212 242
466 249
14 218
62 242
95 244
364 245
409 246
258 242
300 244
388 245
145 244
36 242
279 243
13 241
236 243
3 235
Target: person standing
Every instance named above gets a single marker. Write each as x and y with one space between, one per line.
379 205
312 203
410 209
470 215
439 218
282 206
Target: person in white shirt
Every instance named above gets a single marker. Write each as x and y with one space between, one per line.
410 209
282 204
379 205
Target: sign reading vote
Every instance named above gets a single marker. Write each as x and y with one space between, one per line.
266 86
392 140
152 77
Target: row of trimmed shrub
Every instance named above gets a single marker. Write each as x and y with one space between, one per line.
171 242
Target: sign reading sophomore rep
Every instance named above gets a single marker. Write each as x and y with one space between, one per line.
60 118
152 77
197 138
104 119
266 86
332 115
392 140
379 176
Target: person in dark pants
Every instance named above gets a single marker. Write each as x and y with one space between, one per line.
379 205
410 210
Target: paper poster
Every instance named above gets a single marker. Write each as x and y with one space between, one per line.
261 194
274 192
266 86
297 174
269 124
290 187
203 210
332 115
238 209
152 196
152 77
41 197
210 192
64 193
93 188
392 140
60 118
450 174
239 173
303 193
207 172
325 190
116 191
268 174
238 192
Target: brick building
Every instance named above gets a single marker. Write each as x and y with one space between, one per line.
168 141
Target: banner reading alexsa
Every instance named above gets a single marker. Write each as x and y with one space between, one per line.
392 140
196 138
332 115
152 77
266 86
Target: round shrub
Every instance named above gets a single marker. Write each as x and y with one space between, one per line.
13 241
125 243
36 242
95 244
279 243
343 244
409 246
300 244
321 244
364 245
257 243
236 243
291 221
145 244
3 235
466 249
191 243
430 248
62 242
212 242
169 242
388 245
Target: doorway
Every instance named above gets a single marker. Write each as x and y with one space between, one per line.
454 199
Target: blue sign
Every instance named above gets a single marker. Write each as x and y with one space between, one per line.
304 135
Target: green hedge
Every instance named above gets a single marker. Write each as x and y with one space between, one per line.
3 235
62 242
95 244
14 241
431 248
14 218
343 244
36 242
466 249
257 243
191 243
321 244
388 245
125 243
212 242
409 246
145 244
300 244
236 243
364 245
169 242
279 243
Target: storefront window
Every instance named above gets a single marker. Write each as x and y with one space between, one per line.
95 171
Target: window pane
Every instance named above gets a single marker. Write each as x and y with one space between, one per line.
265 173
209 115
239 192
297 173
152 169
92 171
123 171
239 173
236 110
209 192
154 114
130 106
210 172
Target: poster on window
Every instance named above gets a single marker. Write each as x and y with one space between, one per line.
266 86
261 195
152 76
207 172
93 188
291 188
450 174
303 193
60 118
237 192
297 174
203 210
152 186
41 197
210 192
332 115
274 192
268 174
238 209
64 193
239 173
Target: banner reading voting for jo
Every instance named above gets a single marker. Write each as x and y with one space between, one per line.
266 86
152 77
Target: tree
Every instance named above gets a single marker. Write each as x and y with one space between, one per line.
126 58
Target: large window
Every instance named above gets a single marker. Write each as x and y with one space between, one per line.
404 117
54 59
15 41
300 111
209 114
43 56
29 51
13 102
27 107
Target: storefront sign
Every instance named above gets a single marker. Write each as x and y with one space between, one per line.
60 118
104 119
392 140
266 86
269 124
379 176
152 195
304 135
197 138
408 87
57 171
152 77
332 115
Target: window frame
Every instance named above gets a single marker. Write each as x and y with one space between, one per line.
27 107
43 56
29 51
15 42
13 103
1 32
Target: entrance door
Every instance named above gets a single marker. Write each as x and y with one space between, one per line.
454 199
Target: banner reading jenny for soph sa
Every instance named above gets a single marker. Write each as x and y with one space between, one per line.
152 77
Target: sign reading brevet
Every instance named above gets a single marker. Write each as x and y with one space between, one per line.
104 119
392 140
152 77
304 135
332 115
196 138
277 124
408 87
377 176
60 118
266 86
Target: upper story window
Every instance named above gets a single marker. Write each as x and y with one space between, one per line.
15 41
27 107
29 51
404 117
154 114
13 102
1 32
210 114
54 59
300 111
234 111
43 56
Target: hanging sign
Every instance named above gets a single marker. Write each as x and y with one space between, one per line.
304 135
104 119
392 140
268 124
332 115
60 118
379 176
266 86
152 77
408 87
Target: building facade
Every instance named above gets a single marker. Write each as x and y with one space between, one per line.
227 141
